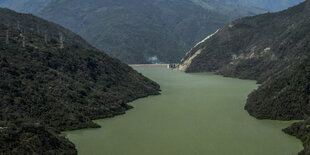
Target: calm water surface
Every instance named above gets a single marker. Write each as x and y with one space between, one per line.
197 114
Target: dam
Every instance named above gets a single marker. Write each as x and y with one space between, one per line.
153 66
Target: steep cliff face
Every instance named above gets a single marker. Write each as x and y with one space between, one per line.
255 47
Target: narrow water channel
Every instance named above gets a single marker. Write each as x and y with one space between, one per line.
197 114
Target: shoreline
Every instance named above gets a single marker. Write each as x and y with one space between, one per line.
284 121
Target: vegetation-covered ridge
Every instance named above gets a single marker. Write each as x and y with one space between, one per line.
52 80
138 31
284 96
255 47
64 88
301 130
31 23
273 48
24 138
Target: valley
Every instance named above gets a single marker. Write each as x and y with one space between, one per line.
200 113
155 77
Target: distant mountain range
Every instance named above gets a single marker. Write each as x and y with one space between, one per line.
138 31
26 23
270 5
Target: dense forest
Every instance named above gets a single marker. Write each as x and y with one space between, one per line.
286 96
59 85
301 130
52 80
254 47
138 31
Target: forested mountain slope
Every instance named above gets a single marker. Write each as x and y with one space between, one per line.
63 87
139 31
49 85
301 130
28 22
273 48
27 138
284 96
254 47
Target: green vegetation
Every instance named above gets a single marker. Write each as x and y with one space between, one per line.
33 139
263 45
64 88
138 31
301 130
284 96
30 23
47 87
273 48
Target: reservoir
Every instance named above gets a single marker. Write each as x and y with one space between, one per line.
197 114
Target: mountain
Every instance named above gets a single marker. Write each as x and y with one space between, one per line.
63 87
284 96
273 48
28 22
138 31
254 47
301 130
274 5
33 139
52 85
25 6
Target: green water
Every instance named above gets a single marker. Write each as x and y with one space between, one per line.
197 114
